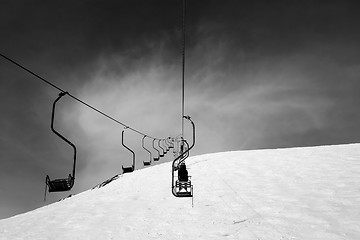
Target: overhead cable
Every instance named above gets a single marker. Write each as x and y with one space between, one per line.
72 96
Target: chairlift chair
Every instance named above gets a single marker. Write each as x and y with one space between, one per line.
146 163
181 184
178 146
165 144
184 188
132 167
153 145
163 150
170 142
62 184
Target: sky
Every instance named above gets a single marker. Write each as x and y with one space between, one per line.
258 74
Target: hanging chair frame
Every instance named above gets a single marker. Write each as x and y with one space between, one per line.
146 163
132 168
165 144
169 141
163 150
176 185
62 184
153 145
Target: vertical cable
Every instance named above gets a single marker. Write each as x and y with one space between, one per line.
183 71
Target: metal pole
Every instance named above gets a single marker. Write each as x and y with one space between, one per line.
183 72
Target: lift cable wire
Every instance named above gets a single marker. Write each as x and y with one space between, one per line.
72 96
183 71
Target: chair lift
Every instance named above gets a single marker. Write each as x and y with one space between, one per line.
169 141
163 150
62 184
145 162
162 145
127 169
183 146
182 187
166 145
178 146
153 145
174 145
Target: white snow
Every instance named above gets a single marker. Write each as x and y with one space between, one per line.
296 193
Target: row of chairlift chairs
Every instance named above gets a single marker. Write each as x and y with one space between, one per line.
164 144
181 184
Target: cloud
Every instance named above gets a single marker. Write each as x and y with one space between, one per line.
232 109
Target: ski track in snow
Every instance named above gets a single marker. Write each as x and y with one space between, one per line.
296 193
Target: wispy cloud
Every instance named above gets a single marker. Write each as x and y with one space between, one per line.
232 109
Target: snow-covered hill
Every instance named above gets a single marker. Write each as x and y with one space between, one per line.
296 193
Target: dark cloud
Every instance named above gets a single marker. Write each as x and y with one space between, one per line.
258 75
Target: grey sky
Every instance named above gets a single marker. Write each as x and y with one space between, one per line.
258 75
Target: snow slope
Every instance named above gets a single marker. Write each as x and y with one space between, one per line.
296 193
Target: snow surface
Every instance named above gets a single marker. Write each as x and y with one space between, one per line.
295 193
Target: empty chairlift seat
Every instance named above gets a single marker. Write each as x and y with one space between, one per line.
62 184
146 163
127 169
153 145
132 167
